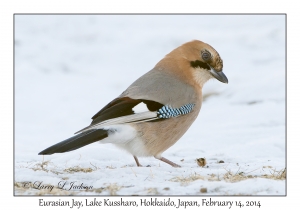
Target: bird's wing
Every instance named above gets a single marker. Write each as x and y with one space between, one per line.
125 110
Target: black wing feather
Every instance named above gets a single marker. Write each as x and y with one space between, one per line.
121 107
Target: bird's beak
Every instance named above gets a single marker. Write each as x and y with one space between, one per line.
219 75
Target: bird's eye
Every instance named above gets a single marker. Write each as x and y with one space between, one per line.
206 55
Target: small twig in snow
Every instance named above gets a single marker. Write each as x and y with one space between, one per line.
94 166
134 172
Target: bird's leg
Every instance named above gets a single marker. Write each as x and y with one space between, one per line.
168 161
137 161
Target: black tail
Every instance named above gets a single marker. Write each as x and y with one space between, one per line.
76 142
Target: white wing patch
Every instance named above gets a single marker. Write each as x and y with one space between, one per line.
141 107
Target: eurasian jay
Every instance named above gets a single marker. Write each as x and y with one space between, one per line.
172 95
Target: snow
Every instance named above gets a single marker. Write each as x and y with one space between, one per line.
67 67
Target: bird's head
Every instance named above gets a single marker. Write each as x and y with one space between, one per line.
203 61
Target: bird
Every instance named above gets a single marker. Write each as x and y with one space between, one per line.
154 112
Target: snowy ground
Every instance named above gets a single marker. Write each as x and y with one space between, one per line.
68 67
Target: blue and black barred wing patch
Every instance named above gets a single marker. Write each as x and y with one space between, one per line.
167 112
